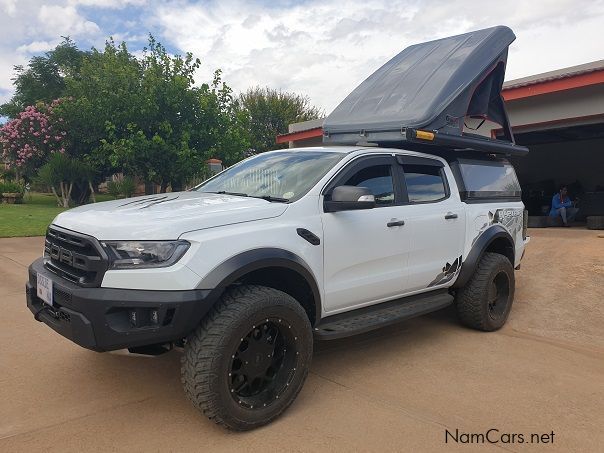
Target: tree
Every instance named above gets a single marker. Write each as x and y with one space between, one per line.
145 117
271 111
28 140
61 173
222 129
43 79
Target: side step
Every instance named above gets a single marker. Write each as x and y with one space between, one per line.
369 318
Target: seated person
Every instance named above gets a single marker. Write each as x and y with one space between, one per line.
563 206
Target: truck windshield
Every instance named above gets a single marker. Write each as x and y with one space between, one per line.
280 176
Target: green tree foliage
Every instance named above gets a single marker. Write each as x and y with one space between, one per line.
43 79
144 116
270 112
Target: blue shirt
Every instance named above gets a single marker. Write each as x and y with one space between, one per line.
557 204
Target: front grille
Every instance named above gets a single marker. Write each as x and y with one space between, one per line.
75 257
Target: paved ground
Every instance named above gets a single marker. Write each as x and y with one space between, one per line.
395 389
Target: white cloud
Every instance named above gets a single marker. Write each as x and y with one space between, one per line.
9 7
65 20
37 46
324 48
111 4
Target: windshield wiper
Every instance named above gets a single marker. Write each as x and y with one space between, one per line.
263 197
271 198
224 192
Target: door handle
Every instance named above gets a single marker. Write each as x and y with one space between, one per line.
450 215
394 223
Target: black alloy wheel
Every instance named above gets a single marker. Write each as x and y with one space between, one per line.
248 359
263 365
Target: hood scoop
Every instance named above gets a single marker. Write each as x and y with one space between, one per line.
423 95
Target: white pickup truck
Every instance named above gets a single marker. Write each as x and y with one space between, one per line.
246 269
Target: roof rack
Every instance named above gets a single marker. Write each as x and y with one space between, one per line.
431 142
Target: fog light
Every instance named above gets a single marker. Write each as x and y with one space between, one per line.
154 317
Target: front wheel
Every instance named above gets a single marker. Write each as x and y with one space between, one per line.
248 359
486 300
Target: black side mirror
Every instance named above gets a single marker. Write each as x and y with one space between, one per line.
348 198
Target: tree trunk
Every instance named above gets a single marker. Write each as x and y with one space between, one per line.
91 191
164 186
68 197
62 194
56 195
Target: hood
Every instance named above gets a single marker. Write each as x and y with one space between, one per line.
432 86
164 216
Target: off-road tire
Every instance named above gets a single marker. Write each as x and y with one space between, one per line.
472 301
208 354
595 222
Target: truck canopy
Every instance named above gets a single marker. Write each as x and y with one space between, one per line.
431 87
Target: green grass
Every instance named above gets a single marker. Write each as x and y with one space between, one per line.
33 216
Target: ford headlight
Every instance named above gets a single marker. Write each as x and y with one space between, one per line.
144 254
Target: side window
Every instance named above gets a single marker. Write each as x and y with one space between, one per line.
378 179
424 183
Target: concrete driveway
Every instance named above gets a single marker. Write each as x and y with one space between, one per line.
397 389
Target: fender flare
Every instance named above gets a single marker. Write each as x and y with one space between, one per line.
229 271
470 264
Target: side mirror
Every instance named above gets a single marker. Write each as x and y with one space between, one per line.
349 198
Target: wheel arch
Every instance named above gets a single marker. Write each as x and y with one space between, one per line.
496 239
277 268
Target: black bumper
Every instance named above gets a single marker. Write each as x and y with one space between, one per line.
102 319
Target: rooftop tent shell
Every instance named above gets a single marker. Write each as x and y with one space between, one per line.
431 87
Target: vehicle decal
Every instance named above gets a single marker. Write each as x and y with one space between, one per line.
448 273
509 218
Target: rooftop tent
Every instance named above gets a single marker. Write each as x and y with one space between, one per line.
431 87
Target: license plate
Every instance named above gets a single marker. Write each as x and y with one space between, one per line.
44 289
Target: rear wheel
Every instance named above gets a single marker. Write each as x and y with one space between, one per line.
486 300
247 361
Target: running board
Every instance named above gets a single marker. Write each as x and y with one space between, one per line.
380 315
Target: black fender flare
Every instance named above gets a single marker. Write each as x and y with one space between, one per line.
478 249
231 270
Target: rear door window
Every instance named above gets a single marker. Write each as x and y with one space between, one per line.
425 183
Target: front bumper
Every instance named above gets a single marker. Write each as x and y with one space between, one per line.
101 318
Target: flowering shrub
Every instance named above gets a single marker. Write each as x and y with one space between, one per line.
29 139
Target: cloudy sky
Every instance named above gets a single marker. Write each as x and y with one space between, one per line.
322 48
